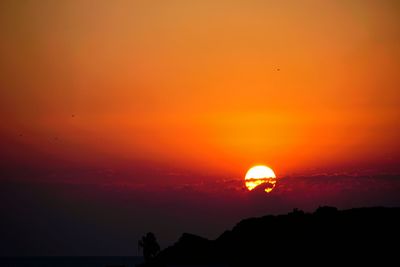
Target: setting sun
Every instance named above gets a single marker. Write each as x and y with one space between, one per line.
155 120
258 175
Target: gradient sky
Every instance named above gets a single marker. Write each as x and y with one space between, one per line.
164 94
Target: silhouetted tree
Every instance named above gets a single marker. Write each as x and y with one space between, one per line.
296 212
149 245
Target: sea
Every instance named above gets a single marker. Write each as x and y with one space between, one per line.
70 261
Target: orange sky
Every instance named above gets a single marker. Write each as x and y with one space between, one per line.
209 86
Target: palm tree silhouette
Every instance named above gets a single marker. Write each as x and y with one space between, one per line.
149 245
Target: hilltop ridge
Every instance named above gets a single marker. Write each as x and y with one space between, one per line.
324 236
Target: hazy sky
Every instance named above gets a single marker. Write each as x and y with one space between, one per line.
196 85
167 93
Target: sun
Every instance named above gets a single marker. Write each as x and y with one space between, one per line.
260 174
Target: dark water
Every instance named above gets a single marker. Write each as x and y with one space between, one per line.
70 261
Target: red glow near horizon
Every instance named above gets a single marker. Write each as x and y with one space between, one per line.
128 86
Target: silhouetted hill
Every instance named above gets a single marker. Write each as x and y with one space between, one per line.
327 236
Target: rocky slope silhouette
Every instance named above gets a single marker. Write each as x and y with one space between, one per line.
327 236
